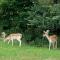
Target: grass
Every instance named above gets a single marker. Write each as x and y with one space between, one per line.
7 52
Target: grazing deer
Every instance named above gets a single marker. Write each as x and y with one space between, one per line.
51 38
13 36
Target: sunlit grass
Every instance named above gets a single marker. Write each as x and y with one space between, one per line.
7 52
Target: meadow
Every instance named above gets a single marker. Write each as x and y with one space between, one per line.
27 52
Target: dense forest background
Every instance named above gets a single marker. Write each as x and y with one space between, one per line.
31 18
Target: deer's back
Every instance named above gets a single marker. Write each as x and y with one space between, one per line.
53 37
14 36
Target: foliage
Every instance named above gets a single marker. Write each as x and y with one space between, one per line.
30 18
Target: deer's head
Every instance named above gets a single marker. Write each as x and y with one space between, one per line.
45 33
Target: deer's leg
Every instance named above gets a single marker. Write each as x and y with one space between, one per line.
4 40
12 42
56 44
8 41
19 42
49 45
53 45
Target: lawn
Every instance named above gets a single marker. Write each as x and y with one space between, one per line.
7 52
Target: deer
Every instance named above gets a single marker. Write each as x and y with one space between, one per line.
12 37
52 39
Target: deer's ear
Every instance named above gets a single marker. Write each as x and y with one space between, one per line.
43 31
47 31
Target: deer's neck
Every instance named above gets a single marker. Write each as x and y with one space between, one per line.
47 36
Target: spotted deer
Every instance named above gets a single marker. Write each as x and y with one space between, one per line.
51 38
12 37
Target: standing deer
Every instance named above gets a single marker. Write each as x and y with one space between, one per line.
51 38
13 36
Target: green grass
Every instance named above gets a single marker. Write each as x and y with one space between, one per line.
7 52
